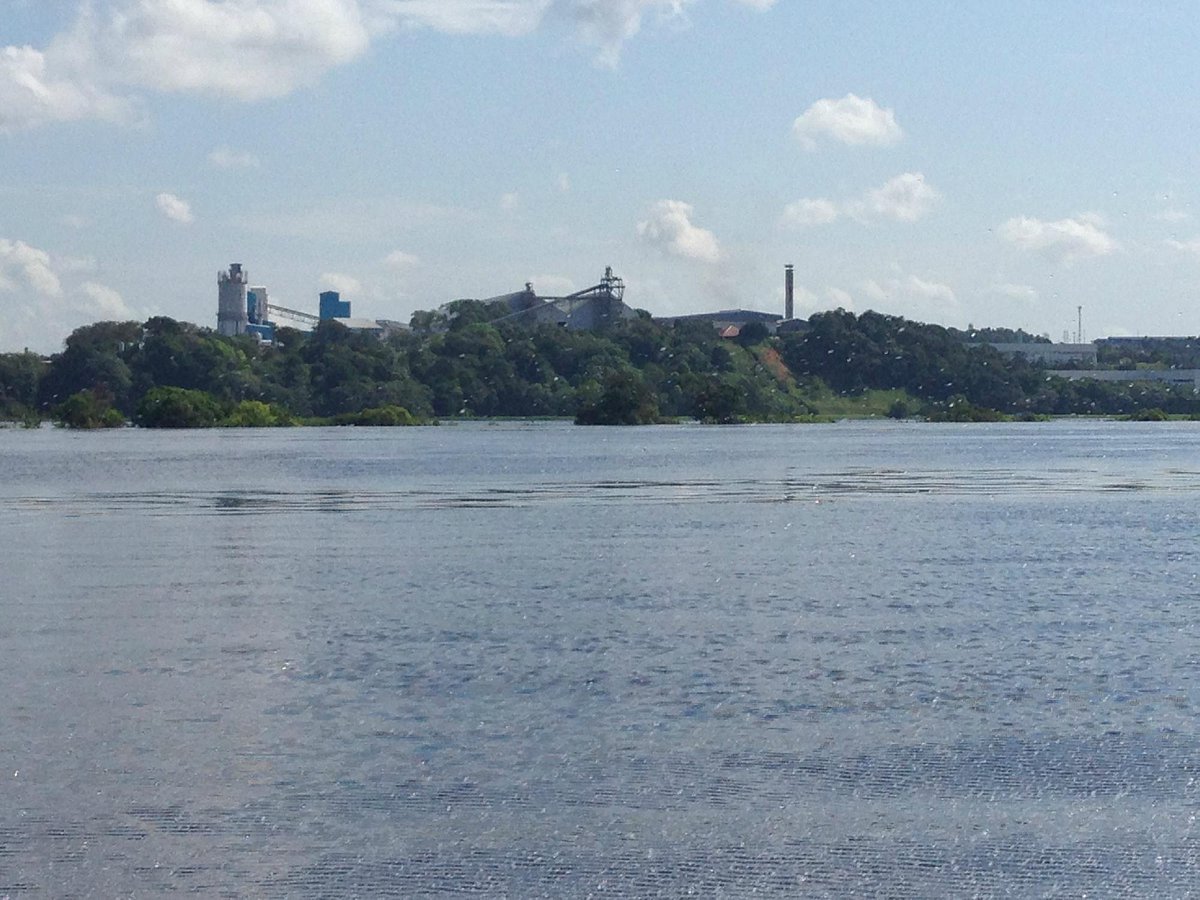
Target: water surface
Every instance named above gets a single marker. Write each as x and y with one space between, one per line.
539 660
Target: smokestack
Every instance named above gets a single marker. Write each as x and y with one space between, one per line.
788 293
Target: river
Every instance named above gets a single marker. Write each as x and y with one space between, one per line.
527 660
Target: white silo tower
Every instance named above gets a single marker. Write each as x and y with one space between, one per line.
231 301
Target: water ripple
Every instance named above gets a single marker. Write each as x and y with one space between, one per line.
802 487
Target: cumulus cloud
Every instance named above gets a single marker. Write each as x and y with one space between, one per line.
117 51
905 198
107 303
343 284
910 287
225 158
41 300
811 212
1065 240
400 260
37 88
839 299
23 267
175 209
1191 247
913 296
670 228
853 120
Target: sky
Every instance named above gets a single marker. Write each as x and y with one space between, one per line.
964 163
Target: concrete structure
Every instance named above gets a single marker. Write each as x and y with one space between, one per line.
232 317
332 306
1035 351
592 309
789 294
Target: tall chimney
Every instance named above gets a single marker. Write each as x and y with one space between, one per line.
788 293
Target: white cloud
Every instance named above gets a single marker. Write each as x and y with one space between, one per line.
106 303
510 201
608 24
930 290
1191 247
912 287
40 301
75 264
670 228
1065 240
839 299
175 209
874 290
905 198
247 50
225 158
400 260
852 120
343 284
811 212
805 300
37 88
912 296
506 17
23 266
116 51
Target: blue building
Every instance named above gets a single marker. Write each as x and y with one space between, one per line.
333 306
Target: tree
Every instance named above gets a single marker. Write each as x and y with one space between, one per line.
622 400
172 407
87 410
20 375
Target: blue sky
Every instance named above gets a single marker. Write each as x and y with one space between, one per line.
963 163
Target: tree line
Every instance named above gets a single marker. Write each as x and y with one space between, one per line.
461 362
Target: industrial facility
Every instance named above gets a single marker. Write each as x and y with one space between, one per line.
592 309
245 309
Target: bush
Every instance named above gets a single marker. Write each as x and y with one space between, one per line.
172 407
624 399
1154 414
389 416
256 414
87 410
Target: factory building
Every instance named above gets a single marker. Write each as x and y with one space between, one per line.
592 309
730 322
232 317
1049 354
332 306
257 308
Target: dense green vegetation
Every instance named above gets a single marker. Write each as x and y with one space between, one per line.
458 362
